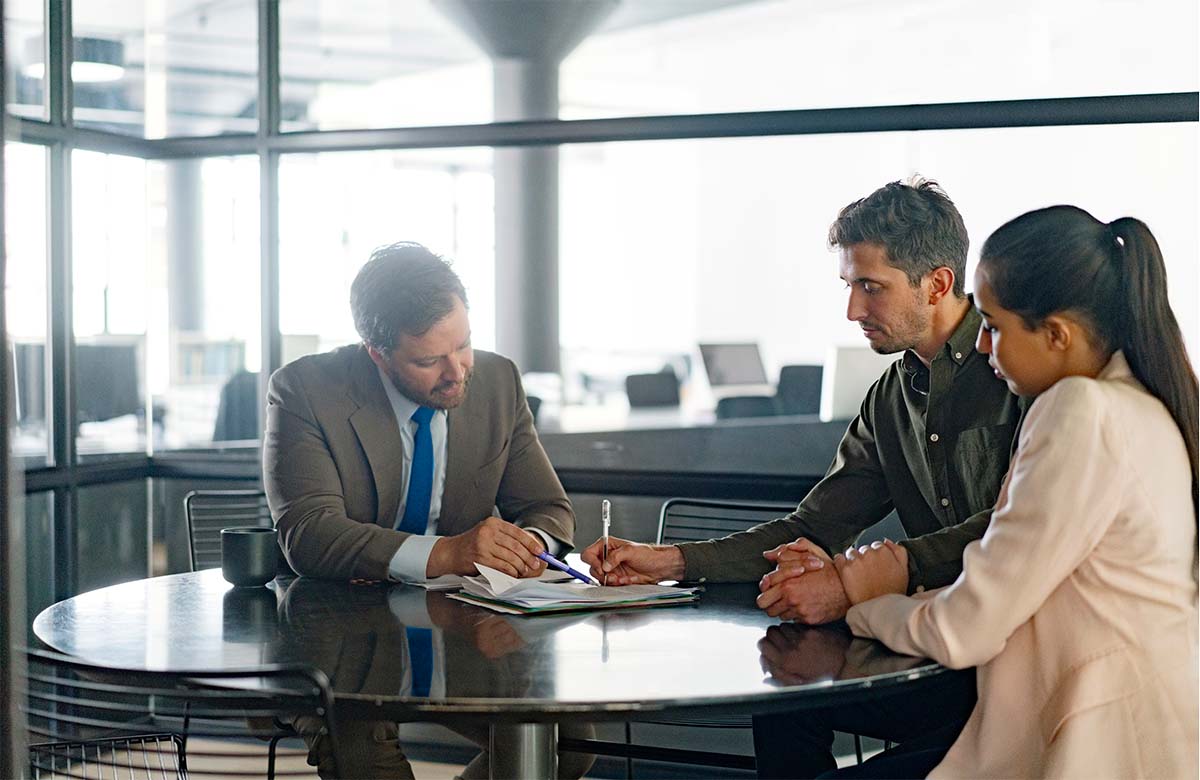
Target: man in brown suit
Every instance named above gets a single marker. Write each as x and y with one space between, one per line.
410 455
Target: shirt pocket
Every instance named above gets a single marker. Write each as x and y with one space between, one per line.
981 461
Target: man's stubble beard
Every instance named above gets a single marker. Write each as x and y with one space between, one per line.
431 401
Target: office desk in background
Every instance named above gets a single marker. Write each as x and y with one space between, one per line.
518 674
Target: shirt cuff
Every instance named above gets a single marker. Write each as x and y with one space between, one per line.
553 546
410 561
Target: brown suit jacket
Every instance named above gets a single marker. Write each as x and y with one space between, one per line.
332 461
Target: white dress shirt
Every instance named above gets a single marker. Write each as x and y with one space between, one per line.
410 561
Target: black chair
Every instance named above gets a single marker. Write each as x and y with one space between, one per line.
209 511
659 389
88 721
535 404
738 406
238 408
799 389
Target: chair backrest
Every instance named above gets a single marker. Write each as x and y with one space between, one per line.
90 721
209 511
660 389
746 406
799 389
696 520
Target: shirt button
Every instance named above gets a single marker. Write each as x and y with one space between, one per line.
945 502
958 356
933 437
920 589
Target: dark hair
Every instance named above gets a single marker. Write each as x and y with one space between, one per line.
1062 258
915 221
402 288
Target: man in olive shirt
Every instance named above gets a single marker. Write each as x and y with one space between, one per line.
932 441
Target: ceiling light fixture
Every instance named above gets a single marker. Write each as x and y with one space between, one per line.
96 60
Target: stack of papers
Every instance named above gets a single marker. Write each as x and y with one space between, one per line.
500 592
456 581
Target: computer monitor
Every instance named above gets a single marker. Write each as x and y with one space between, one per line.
107 380
849 373
733 364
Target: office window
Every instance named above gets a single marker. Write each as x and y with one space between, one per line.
666 244
24 44
161 68
26 298
112 535
114 235
373 63
335 208
701 56
204 337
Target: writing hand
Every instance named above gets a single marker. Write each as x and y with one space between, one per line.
492 542
873 570
634 563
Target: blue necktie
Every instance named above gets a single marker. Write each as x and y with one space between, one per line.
420 477
420 655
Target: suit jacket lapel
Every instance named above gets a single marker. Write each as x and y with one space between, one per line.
375 425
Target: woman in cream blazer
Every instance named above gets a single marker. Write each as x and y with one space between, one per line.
1079 603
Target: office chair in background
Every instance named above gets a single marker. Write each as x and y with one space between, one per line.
738 406
648 390
799 390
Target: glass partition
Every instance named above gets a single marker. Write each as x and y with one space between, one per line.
112 537
114 234
724 240
335 208
26 298
709 56
25 54
158 68
372 63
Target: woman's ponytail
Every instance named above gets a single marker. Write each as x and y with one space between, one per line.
1149 334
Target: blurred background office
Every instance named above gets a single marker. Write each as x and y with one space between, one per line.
191 185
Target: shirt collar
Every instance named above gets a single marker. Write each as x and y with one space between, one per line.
958 347
402 405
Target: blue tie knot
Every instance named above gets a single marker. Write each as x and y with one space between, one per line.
422 416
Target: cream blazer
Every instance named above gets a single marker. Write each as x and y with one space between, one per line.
1079 603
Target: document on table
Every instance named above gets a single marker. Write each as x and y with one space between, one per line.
500 592
455 581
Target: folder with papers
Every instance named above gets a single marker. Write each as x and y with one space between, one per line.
500 592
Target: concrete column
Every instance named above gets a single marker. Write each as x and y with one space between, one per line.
185 246
527 39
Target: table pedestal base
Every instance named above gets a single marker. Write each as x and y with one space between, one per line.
525 750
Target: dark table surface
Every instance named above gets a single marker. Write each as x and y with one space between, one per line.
718 654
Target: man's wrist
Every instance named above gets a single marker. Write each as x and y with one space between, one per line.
676 564
438 563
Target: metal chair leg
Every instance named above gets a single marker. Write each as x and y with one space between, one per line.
271 756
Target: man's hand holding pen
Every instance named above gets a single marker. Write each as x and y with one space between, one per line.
633 563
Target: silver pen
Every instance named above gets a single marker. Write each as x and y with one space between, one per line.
605 520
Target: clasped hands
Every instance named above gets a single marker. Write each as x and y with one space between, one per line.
810 587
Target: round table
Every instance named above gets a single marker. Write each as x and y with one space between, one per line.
521 674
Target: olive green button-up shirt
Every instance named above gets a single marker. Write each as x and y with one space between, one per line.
932 443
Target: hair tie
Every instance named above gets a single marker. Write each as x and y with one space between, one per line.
1113 236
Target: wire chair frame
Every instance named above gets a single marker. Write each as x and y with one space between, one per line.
210 511
90 721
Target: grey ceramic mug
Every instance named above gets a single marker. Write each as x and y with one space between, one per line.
249 555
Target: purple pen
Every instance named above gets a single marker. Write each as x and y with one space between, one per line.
556 563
